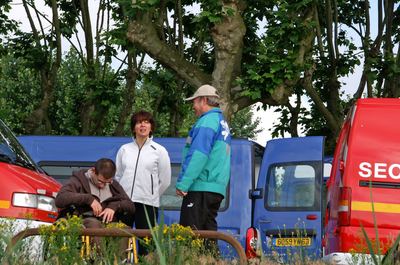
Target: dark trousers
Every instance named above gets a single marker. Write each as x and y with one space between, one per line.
199 210
92 222
140 220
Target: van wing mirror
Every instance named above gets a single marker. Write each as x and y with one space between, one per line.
256 193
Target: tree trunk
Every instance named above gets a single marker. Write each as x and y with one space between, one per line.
38 122
228 41
89 110
127 104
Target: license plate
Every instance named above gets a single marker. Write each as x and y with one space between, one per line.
293 242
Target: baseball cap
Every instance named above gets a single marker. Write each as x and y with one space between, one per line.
204 91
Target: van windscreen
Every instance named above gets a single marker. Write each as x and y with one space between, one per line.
11 150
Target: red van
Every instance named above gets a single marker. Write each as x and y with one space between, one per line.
26 192
363 191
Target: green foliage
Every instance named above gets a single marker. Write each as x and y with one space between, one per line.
212 12
158 93
273 55
23 46
275 31
161 94
173 244
68 96
71 91
243 124
62 241
19 93
7 24
64 245
23 252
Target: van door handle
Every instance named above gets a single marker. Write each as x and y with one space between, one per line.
264 221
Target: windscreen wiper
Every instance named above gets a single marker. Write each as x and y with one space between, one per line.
23 163
5 158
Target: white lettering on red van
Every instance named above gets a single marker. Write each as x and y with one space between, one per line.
379 170
392 172
365 170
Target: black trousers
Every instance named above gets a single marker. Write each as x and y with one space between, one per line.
199 210
140 220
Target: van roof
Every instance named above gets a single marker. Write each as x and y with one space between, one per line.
378 101
90 148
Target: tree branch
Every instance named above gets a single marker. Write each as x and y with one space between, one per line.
142 32
330 119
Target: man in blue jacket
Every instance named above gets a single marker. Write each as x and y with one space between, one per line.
206 163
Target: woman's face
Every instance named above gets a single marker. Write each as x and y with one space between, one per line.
143 129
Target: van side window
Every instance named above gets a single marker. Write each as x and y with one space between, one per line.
293 186
170 201
61 170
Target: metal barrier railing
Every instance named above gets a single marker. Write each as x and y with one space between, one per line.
118 232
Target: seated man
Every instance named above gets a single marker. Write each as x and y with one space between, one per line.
93 195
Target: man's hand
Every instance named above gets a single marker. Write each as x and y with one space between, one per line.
180 193
96 207
108 215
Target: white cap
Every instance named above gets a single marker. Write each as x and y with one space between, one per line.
204 91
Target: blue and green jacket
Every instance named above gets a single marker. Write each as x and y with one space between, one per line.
207 155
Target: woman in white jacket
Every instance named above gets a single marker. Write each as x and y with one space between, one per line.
143 170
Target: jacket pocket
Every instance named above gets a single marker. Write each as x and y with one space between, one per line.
152 184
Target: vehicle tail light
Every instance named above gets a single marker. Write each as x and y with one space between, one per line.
252 243
344 206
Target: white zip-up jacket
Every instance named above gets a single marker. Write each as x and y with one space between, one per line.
144 173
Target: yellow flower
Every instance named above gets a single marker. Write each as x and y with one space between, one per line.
64 248
197 243
165 229
179 238
119 225
147 240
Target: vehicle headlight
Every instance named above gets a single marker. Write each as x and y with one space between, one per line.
25 200
41 202
46 203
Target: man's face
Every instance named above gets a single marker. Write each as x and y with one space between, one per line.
198 105
101 181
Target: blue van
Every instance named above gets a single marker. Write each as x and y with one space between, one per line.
288 200
60 155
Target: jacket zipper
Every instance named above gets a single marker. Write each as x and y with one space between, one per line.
152 190
136 166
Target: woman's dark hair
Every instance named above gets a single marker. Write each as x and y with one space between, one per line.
142 116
